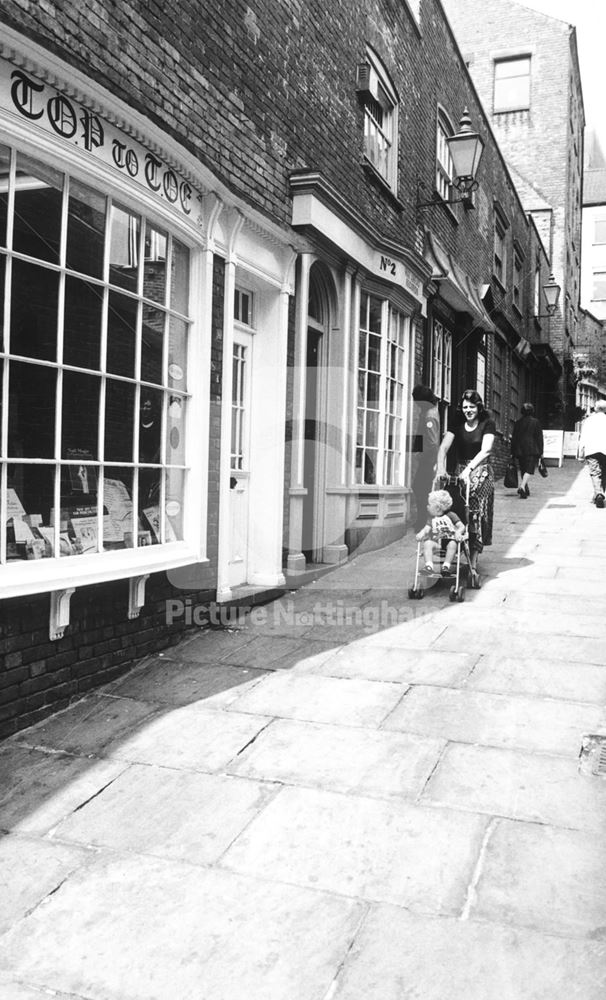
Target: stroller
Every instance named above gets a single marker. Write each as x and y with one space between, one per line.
465 576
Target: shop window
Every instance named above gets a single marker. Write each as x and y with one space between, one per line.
383 359
512 84
380 106
95 374
444 165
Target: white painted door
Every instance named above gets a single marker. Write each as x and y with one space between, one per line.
240 457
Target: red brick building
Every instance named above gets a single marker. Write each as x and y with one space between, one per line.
219 289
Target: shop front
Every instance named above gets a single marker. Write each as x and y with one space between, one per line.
359 302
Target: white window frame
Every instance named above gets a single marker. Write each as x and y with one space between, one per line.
56 573
380 103
515 68
388 454
500 250
518 270
441 361
444 164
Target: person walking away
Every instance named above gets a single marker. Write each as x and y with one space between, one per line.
471 435
526 446
592 447
426 438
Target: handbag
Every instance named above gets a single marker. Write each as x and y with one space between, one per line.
542 469
510 482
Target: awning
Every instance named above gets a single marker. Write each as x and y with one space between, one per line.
522 349
456 287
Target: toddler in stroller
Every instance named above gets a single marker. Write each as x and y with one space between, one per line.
445 531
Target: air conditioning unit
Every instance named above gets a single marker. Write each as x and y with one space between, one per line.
363 79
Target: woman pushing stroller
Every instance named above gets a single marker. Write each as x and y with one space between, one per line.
471 435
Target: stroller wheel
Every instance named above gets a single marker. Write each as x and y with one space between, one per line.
461 595
412 593
452 593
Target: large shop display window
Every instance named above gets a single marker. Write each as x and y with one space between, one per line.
94 385
383 360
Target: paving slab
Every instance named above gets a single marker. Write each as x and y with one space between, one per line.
508 619
542 678
340 758
165 681
29 871
10 989
404 666
543 878
148 929
523 645
171 814
38 789
87 726
399 955
495 720
211 645
278 652
369 848
321 699
523 786
195 737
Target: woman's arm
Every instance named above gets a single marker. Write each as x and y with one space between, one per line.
442 453
480 456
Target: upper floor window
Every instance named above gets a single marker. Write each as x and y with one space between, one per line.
599 231
536 303
500 249
517 279
380 118
512 84
444 165
598 291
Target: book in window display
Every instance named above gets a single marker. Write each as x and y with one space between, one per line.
119 506
82 477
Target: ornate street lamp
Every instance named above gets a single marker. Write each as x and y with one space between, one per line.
466 148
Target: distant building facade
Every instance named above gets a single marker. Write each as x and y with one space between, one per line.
525 66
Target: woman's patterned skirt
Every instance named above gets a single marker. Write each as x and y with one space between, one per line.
481 506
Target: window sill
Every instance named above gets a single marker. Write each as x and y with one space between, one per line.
39 576
374 174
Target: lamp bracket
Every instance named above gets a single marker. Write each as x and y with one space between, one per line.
466 196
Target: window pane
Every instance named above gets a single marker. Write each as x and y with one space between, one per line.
29 505
175 440
4 176
82 323
179 277
154 264
173 508
599 234
34 301
118 512
124 248
177 353
150 425
38 198
31 410
121 334
80 416
374 318
85 230
3 345
150 517
119 421
152 340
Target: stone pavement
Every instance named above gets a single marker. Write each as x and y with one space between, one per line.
346 795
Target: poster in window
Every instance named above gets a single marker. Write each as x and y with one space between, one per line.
82 477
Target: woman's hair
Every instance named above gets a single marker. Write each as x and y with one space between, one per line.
423 394
471 396
527 409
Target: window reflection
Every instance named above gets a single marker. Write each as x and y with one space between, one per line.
124 248
179 284
121 334
80 415
38 199
154 264
82 323
34 305
31 410
119 421
85 230
152 341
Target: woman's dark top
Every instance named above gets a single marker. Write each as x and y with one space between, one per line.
527 437
467 444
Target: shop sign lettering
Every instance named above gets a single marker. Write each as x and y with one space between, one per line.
56 113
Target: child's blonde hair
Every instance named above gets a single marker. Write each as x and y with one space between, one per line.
441 500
